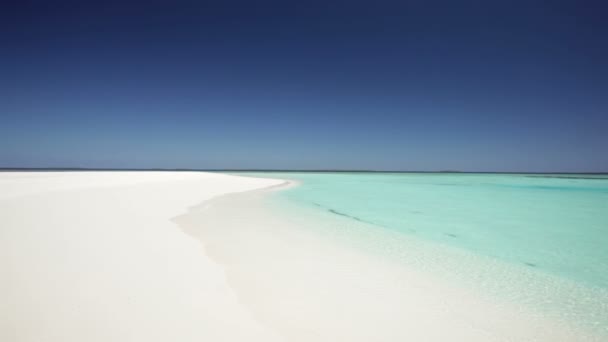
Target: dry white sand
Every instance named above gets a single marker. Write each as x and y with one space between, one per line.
93 256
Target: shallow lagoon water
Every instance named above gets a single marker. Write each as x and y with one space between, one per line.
552 223
529 246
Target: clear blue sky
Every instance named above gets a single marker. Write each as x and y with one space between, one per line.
393 85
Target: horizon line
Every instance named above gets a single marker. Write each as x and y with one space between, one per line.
5 169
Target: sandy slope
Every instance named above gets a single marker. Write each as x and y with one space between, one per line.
93 256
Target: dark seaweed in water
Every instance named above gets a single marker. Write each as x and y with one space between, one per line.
346 215
335 212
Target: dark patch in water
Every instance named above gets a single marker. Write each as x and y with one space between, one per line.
353 217
530 264
333 211
451 235
346 215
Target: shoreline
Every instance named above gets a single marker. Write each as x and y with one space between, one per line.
272 256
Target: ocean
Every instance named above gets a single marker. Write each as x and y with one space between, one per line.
553 223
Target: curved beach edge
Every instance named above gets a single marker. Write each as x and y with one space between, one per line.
94 256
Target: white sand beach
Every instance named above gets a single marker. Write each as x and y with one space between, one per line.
93 256
179 256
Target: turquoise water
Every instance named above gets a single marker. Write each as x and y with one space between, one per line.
554 224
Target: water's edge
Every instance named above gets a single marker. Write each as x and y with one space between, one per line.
544 297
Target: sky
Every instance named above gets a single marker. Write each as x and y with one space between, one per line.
380 85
